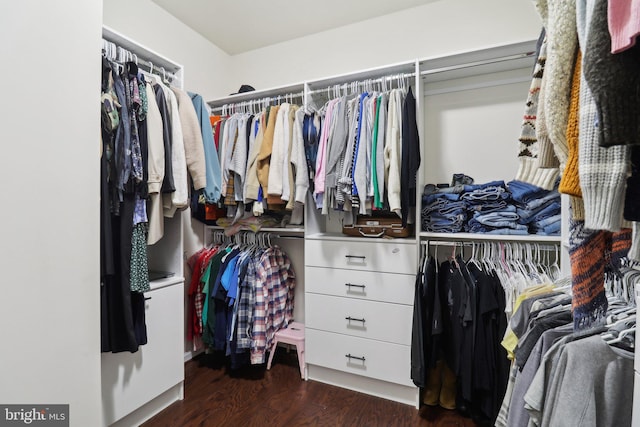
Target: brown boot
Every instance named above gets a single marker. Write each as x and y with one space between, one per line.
434 384
448 392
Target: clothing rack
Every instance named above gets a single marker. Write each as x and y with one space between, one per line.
120 55
510 251
254 105
515 57
249 237
542 246
380 84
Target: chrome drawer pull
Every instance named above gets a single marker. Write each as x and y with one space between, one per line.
353 285
349 318
349 356
362 257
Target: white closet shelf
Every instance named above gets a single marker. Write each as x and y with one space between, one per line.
257 94
490 237
280 230
125 42
343 237
371 73
164 282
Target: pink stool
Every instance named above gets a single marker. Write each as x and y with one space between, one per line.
293 335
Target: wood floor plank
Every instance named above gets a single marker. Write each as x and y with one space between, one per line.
216 396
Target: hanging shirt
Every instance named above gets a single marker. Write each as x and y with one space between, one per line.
213 187
393 151
410 159
299 159
320 175
274 300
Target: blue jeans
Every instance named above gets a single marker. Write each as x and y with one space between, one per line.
487 207
486 194
474 187
544 211
434 189
508 231
552 229
496 219
523 192
547 221
439 197
541 201
444 223
476 226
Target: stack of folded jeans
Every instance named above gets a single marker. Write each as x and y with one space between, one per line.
491 210
538 209
443 210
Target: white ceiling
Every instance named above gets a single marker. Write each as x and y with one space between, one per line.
238 26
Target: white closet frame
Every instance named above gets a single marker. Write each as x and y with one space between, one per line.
137 386
321 230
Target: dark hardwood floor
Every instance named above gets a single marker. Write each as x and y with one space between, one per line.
279 397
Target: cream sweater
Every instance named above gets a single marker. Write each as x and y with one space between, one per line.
393 151
155 141
276 169
251 184
192 136
179 199
559 19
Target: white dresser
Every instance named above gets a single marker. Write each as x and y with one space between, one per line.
358 314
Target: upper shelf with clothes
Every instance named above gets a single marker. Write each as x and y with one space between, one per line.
150 60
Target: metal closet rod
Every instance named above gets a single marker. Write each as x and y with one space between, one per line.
548 246
349 84
256 101
151 68
477 63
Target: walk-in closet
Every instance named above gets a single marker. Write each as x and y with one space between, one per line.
358 213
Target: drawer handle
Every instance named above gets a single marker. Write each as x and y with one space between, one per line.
362 257
349 356
349 318
147 298
353 285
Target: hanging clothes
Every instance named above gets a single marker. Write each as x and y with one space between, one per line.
239 297
143 161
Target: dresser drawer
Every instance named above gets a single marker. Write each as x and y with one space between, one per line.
360 356
367 319
383 256
385 287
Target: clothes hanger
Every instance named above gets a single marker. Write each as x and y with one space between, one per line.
613 339
474 253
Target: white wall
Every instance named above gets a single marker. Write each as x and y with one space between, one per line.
435 29
206 66
474 131
49 221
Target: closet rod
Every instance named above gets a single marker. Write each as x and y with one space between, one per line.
263 100
544 246
388 78
477 63
151 68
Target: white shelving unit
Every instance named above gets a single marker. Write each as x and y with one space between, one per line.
338 353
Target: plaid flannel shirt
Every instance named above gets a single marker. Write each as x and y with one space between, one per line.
273 309
246 301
